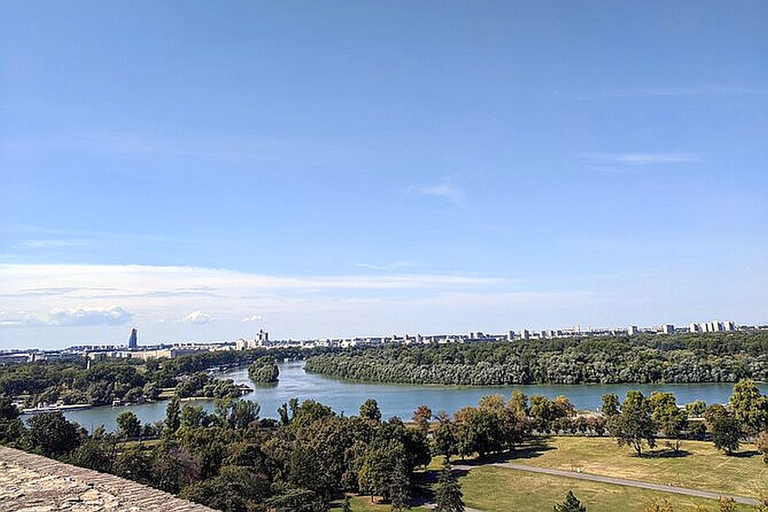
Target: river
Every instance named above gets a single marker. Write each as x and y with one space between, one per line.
401 400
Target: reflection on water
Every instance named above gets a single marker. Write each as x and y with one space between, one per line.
394 399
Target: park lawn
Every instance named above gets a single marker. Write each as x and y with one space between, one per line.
499 489
702 466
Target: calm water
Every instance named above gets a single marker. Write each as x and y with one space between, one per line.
396 399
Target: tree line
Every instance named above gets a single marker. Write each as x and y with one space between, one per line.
128 380
234 460
680 358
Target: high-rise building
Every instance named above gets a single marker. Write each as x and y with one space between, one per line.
133 340
633 330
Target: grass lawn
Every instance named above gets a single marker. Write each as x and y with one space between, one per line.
497 489
701 466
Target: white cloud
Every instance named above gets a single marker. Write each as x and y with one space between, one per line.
83 316
53 243
252 318
388 267
197 318
638 158
446 191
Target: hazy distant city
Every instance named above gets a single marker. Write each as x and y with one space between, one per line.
132 349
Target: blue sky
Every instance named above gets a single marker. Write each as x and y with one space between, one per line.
203 169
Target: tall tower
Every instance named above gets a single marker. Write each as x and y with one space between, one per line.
133 340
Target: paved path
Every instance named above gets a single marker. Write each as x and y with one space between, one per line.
616 481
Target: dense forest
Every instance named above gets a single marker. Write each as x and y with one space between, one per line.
127 380
681 358
264 370
235 461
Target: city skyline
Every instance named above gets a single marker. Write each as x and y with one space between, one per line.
324 169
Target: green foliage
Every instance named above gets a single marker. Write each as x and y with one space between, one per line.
264 370
724 427
50 434
448 495
128 425
571 504
671 420
750 406
11 426
369 410
172 416
610 405
297 500
698 357
634 425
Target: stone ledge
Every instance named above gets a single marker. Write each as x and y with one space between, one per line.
32 483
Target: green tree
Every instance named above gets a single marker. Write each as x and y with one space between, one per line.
448 495
671 420
400 488
264 370
297 500
724 427
128 425
634 425
749 406
518 402
444 437
134 464
610 405
570 504
11 425
369 410
96 452
52 435
172 416
421 417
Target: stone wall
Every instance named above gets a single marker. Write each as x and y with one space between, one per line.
31 483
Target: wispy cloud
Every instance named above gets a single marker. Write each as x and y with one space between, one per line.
447 191
84 316
388 267
52 243
638 158
252 318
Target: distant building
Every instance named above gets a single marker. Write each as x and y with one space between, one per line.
525 334
668 329
133 340
694 327
633 330
511 336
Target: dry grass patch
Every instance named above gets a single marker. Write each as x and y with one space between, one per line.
699 466
498 489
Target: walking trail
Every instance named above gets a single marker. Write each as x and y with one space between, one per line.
616 481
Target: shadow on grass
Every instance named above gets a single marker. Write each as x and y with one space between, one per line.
745 454
666 453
